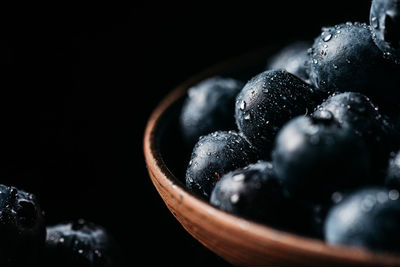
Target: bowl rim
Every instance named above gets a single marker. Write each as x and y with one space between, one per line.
160 175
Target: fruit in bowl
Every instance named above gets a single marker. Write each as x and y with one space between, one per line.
309 168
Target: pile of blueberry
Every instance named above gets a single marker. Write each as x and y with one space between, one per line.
303 146
27 242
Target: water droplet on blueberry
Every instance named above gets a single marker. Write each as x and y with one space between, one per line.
327 37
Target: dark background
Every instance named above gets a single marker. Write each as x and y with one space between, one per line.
79 82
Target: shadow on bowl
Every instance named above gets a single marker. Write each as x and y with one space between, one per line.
237 240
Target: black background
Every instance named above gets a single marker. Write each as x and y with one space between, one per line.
78 83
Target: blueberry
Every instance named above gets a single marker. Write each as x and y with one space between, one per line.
255 193
267 101
22 227
292 58
80 243
367 218
315 157
355 110
213 156
209 107
385 22
392 179
345 58
252 192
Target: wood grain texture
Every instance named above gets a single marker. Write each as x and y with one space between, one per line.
239 241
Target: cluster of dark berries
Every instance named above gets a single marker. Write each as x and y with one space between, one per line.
303 145
27 242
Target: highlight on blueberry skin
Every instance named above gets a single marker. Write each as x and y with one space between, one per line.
293 58
358 112
22 228
314 157
209 107
385 23
268 101
80 243
368 218
214 155
252 192
345 58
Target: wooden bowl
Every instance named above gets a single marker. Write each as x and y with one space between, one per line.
237 240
